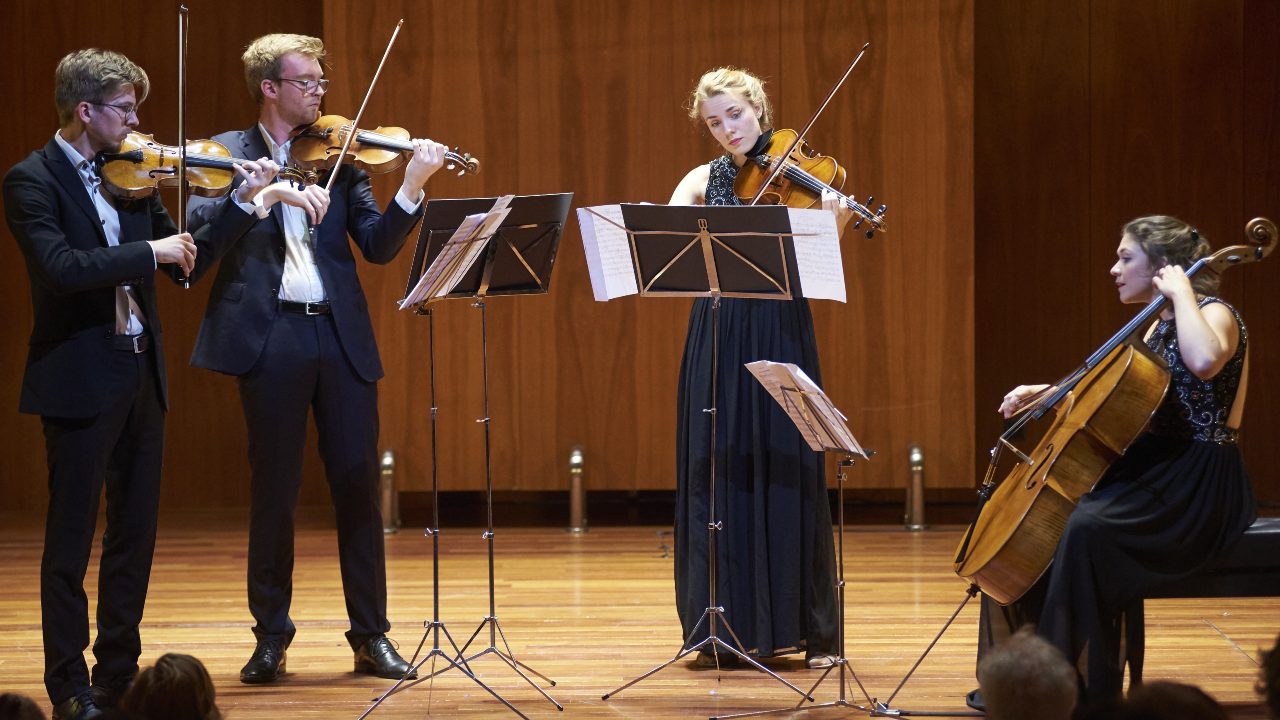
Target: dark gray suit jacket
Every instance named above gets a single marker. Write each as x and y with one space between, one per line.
243 301
72 370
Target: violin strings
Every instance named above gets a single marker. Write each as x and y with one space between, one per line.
813 184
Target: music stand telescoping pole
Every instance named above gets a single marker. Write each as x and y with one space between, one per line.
698 251
434 626
823 427
517 261
518 256
441 273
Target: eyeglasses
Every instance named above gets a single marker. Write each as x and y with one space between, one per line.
124 110
308 87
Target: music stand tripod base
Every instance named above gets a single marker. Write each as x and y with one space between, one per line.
712 252
517 260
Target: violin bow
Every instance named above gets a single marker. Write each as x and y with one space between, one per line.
355 122
781 163
182 130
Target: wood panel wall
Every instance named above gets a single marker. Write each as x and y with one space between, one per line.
593 102
584 97
1010 140
1090 114
205 462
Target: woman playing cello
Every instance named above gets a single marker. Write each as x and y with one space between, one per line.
1179 496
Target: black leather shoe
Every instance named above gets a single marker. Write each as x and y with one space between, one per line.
78 707
376 656
107 695
973 699
267 662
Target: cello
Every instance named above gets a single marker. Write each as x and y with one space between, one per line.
1075 430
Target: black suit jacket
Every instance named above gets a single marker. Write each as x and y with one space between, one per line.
72 369
243 301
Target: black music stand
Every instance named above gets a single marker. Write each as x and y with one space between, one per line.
710 251
517 260
823 428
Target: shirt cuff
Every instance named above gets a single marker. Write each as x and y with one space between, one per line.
408 206
257 207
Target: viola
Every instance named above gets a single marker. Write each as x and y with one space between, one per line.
141 165
1072 435
320 144
800 182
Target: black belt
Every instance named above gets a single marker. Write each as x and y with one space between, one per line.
305 308
133 343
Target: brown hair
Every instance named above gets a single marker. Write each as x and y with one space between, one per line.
1164 700
1269 680
19 707
90 76
1027 678
263 57
729 79
177 687
1167 240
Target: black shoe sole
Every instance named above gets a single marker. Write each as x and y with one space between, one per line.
371 670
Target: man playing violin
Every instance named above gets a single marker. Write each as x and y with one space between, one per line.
95 370
287 316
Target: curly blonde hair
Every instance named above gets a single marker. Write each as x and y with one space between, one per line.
730 79
263 57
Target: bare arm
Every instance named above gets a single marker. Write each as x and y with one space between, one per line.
692 189
1207 336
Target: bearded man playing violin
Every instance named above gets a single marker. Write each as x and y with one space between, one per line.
287 316
95 371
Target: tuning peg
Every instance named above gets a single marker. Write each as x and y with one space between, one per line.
871 233
870 198
858 224
882 209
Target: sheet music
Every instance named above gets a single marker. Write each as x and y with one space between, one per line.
608 251
459 253
817 244
821 425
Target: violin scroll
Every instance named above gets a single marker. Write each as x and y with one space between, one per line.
462 161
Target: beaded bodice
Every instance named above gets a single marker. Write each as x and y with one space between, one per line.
1196 409
720 183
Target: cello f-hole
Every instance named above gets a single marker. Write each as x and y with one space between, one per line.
1031 479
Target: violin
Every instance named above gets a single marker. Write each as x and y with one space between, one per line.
142 164
801 181
319 145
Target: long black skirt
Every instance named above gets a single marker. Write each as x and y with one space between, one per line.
1163 511
776 569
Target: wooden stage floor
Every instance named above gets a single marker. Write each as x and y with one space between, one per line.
590 612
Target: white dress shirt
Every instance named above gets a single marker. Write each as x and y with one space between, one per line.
110 219
301 280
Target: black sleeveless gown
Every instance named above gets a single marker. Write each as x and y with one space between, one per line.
776 571
1177 499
